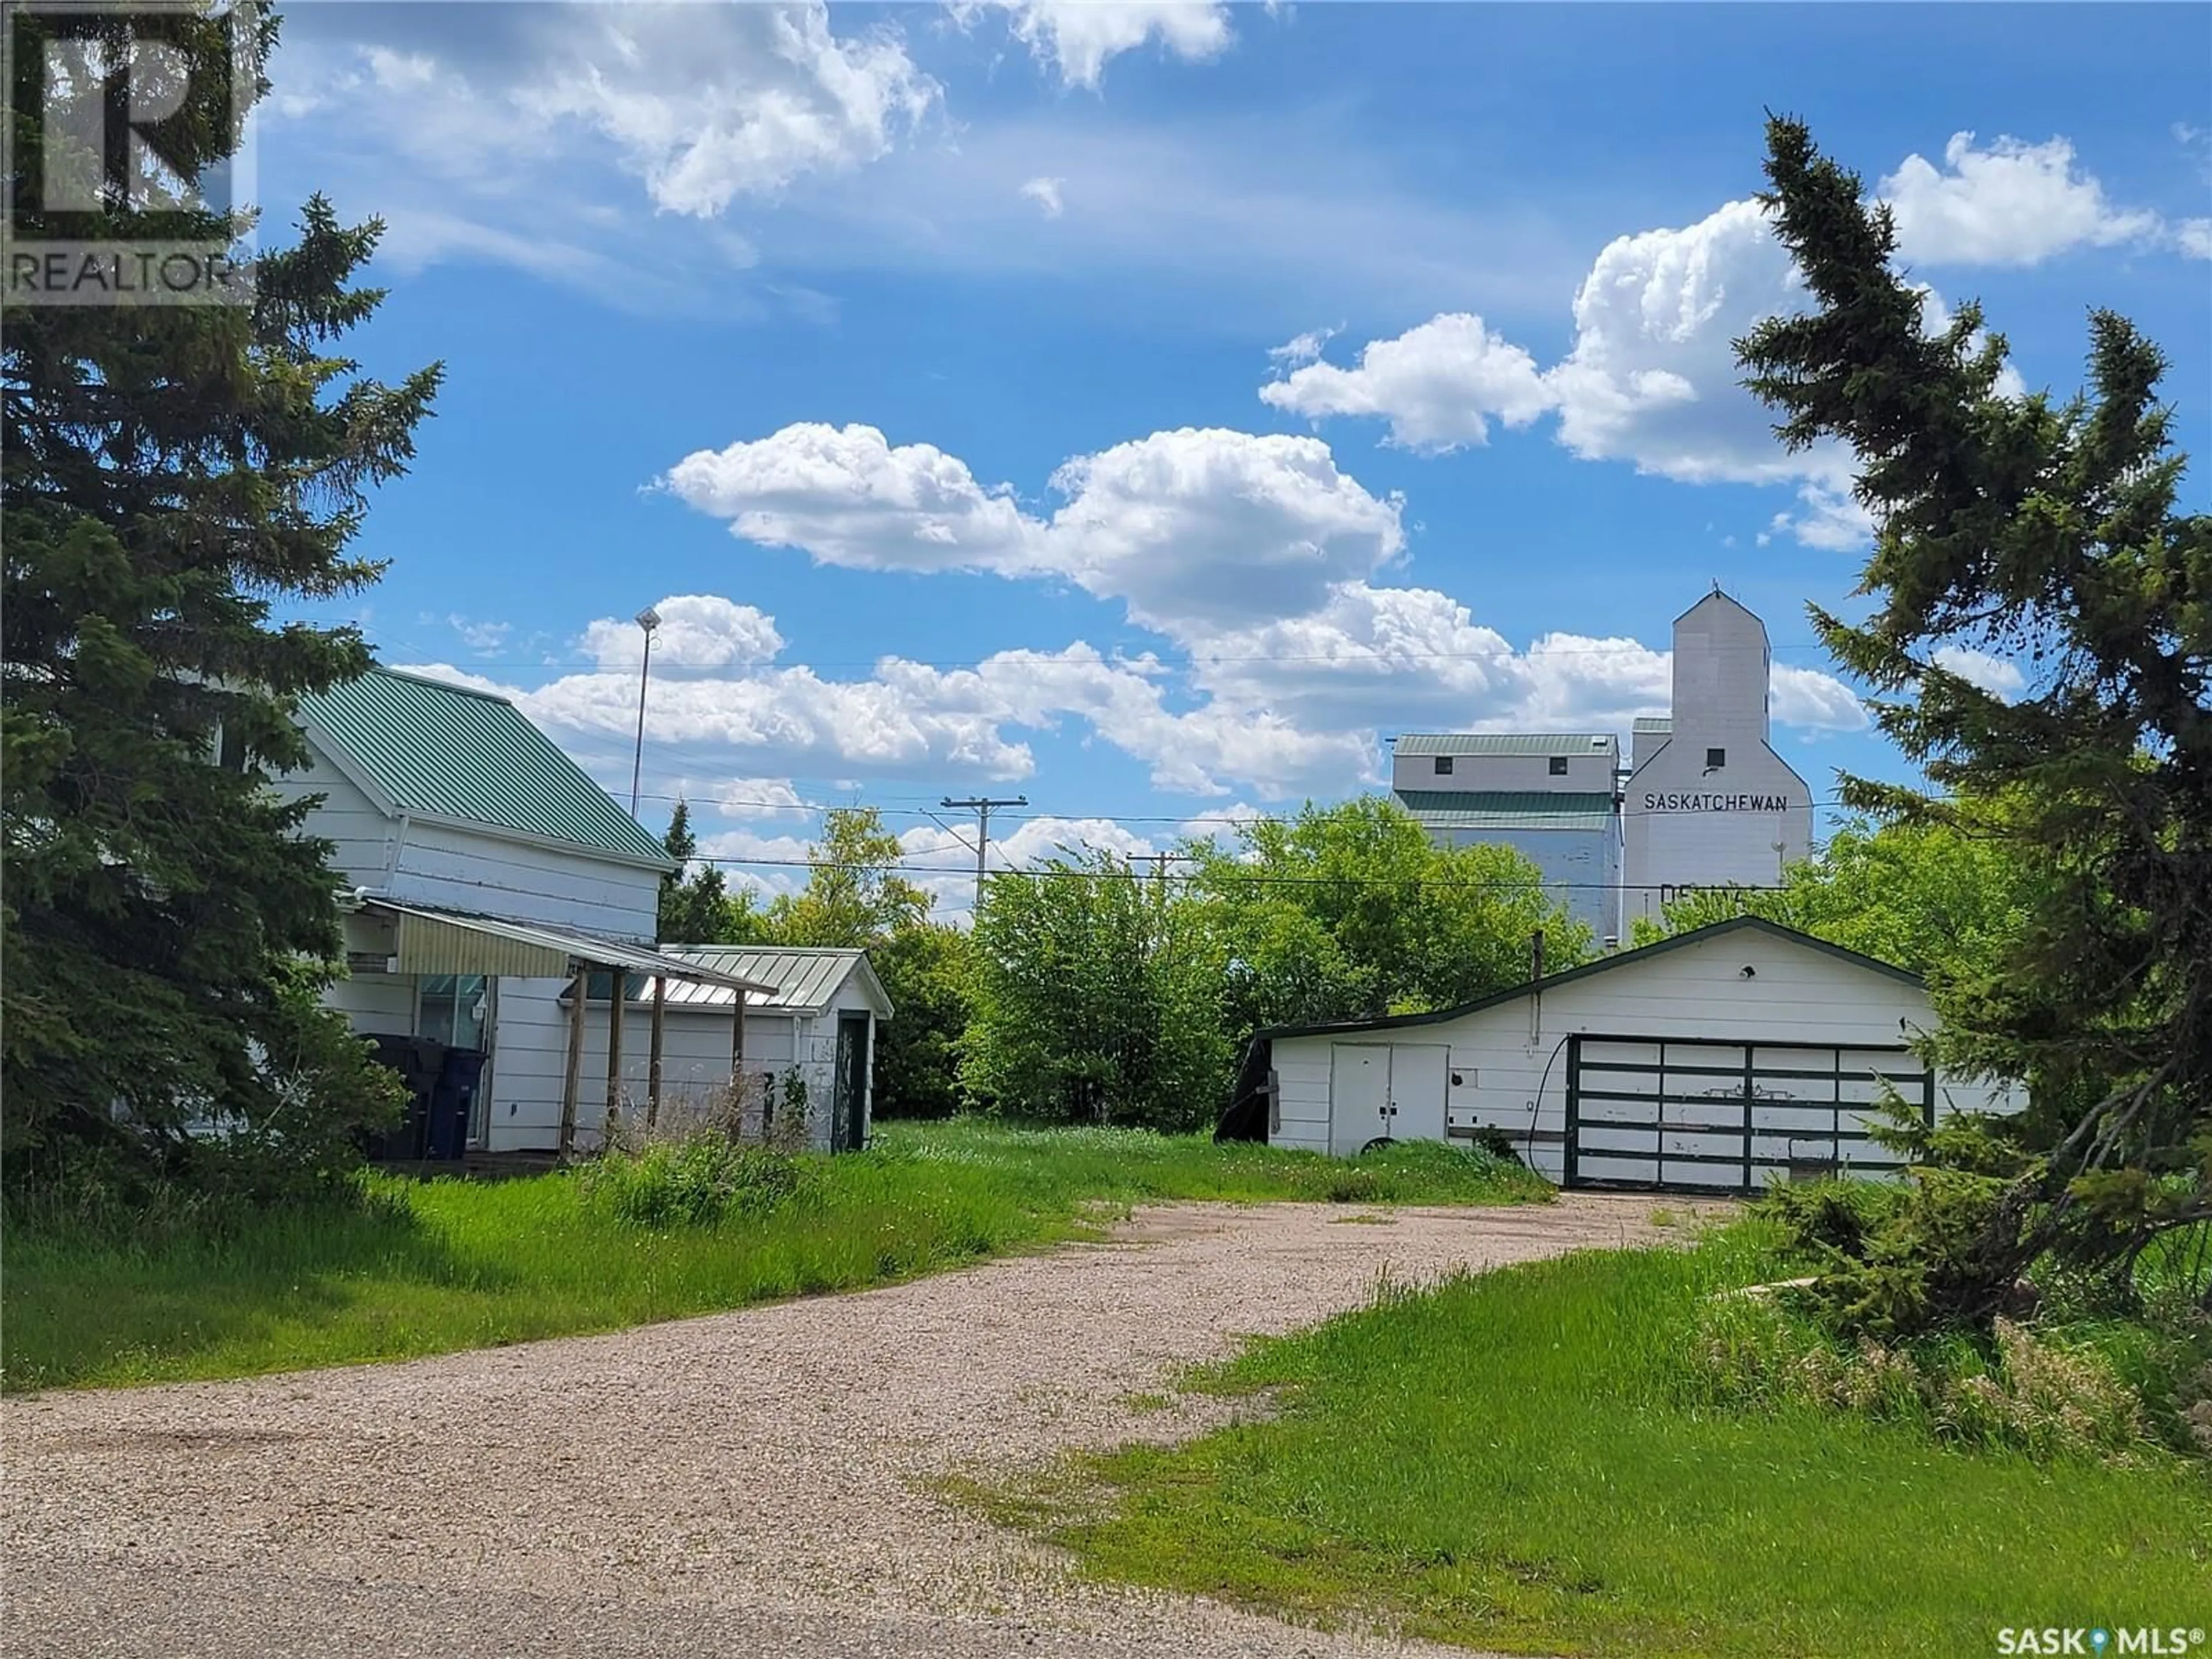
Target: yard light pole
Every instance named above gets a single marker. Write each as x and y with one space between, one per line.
648 619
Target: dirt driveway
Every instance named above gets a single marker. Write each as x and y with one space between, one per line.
751 1483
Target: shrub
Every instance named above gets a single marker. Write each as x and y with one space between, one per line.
695 1181
2016 1389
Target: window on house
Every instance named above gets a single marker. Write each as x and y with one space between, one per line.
1444 765
229 747
596 985
1716 758
1558 766
455 1009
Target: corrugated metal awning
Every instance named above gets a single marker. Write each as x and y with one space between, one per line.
451 941
807 978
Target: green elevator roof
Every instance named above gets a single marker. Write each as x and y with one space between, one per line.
1507 809
1506 742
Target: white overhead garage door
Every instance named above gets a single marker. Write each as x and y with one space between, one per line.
1385 1091
1702 1115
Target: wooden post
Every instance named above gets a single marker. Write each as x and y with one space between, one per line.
653 1066
738 1060
574 1082
618 983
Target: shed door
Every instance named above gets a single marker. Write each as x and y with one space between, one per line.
1419 1072
849 1105
1359 1095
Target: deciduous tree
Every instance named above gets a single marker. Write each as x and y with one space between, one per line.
1097 999
1350 910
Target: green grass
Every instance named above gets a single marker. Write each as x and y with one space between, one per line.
432 1266
1507 1462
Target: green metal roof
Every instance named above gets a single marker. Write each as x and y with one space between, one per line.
446 751
1654 723
1507 809
1506 743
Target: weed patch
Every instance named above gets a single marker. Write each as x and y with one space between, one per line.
1513 1461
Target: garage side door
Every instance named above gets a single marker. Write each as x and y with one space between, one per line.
1417 1074
1359 1095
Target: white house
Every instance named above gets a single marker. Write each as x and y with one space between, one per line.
488 874
1712 1061
819 1025
1707 802
1552 797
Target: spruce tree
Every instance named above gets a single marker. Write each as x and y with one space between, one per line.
695 904
2047 534
172 476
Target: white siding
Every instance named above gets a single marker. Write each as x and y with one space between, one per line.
453 868
1685 824
530 1059
1589 771
375 1002
364 837
1582 868
530 1063
1509 1063
1301 1066
456 869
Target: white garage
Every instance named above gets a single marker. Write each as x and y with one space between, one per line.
1714 1060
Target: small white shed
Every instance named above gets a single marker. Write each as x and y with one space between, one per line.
820 1022
1713 1061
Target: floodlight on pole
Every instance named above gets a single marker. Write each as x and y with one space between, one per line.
648 619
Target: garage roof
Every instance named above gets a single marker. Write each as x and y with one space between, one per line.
1603 965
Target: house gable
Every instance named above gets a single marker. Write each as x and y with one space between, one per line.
445 754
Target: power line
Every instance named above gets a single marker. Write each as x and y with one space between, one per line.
1255 879
982 805
1356 654
1105 813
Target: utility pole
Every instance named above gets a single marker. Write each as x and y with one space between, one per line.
981 807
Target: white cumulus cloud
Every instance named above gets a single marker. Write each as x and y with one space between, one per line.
1189 527
697 630
2007 203
1079 38
1438 385
525 134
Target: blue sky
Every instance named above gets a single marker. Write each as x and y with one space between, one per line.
1148 408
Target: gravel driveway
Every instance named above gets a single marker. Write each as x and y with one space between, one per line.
750 1483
